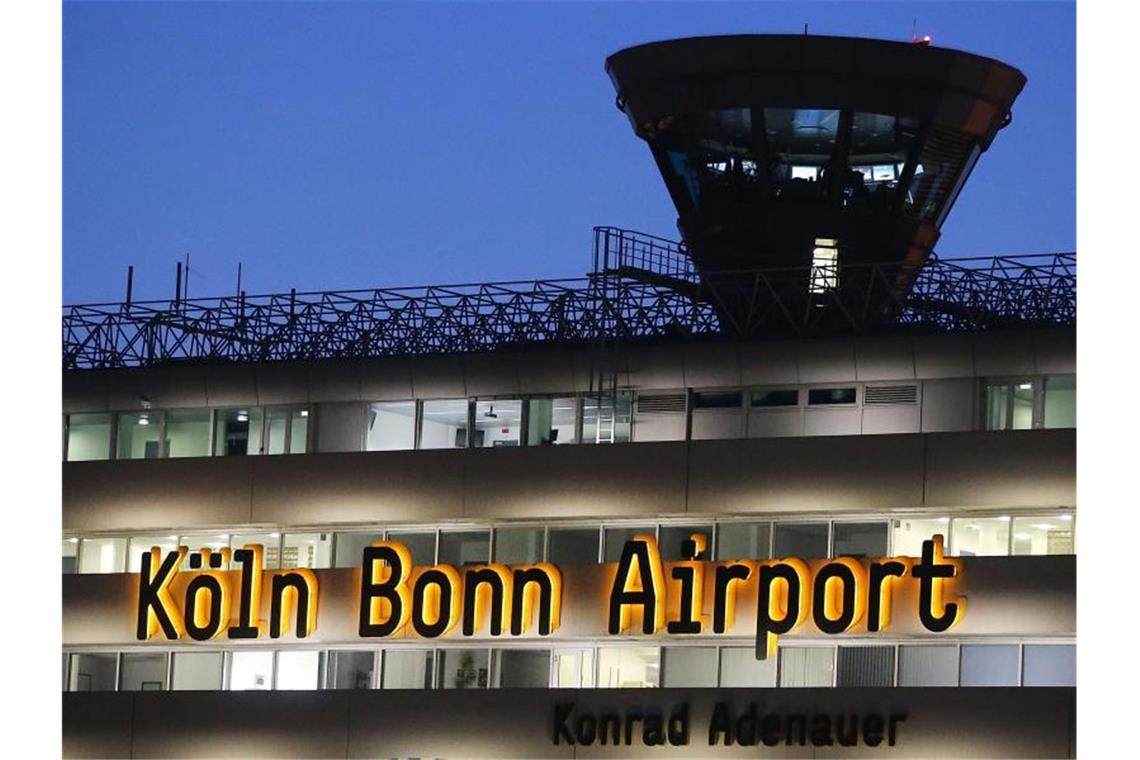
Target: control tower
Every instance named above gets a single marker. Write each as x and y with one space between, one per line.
815 156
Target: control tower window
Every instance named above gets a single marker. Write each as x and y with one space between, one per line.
801 142
712 154
824 265
881 144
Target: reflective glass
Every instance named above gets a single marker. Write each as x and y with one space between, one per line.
1060 402
102 555
139 545
270 541
420 545
1050 665
349 669
350 547
521 668
935 665
739 668
518 546
188 433
1023 406
407 669
617 536
444 424
573 546
806 666
498 423
464 547
802 540
980 536
237 432
743 540
299 670
551 422
608 422
196 671
251 671
70 553
866 539
140 671
1043 535
672 538
138 436
93 672
908 534
997 407
299 432
391 426
88 437
307 550
464 668
689 667
628 667
990 665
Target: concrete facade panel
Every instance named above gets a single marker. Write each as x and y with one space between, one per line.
949 405
769 364
884 359
826 361
891 418
942 356
85 392
156 493
282 383
837 421
1055 352
494 374
712 366
659 426
1004 354
231 385
387 379
575 481
1005 468
362 487
546 371
341 426
713 425
775 423
820 474
334 381
438 376
653 367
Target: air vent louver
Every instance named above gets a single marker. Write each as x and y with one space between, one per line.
661 402
890 394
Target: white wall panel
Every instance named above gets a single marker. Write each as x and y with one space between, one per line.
341 427
838 421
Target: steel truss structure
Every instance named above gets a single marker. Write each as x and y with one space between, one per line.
642 289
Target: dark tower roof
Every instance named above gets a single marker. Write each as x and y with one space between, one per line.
789 150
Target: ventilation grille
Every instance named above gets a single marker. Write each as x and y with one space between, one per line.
891 394
661 402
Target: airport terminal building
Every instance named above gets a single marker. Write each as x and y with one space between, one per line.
793 486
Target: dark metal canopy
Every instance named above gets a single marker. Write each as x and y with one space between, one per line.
804 151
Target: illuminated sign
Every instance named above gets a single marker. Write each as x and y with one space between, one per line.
234 597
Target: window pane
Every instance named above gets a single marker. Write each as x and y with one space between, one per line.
1023 406
573 546
997 406
866 666
237 432
551 421
672 537
465 548
350 547
928 665
522 668
211 541
276 424
299 435
420 545
817 396
188 433
464 669
909 533
196 671
718 400
102 555
407 669
70 552
498 423
1050 665
138 435
299 670
790 397
140 545
573 668
740 668
981 536
609 425
1043 535
392 425
349 669
1060 402
251 671
806 666
628 667
444 424
989 665
88 437
802 540
616 538
860 539
142 672
271 542
518 546
93 672
307 550
689 667
743 540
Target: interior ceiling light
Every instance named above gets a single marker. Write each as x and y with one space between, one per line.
144 419
1066 517
304 412
1024 386
243 416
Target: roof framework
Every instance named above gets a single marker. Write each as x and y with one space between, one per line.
642 289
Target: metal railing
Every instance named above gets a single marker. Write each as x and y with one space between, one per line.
960 295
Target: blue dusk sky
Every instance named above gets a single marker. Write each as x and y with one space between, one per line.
354 145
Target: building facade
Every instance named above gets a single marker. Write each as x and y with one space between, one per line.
559 429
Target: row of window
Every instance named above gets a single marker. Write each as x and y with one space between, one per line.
977 535
1048 402
157 434
856 665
